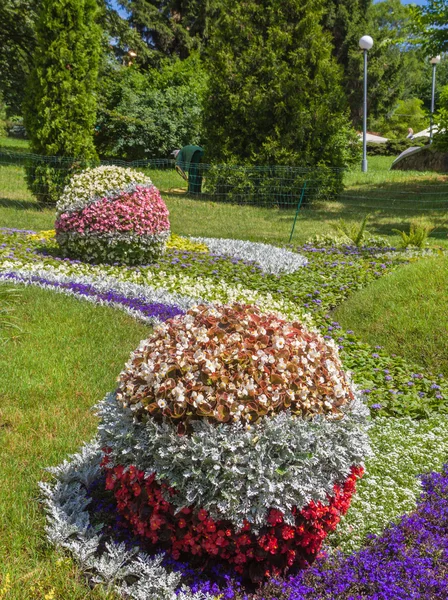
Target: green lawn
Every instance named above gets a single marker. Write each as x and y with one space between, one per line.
66 358
14 144
69 352
382 201
406 312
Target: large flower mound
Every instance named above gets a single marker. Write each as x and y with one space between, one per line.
110 214
234 435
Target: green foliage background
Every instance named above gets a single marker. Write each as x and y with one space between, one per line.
148 115
60 106
284 77
275 94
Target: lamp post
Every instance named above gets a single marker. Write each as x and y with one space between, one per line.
434 61
365 43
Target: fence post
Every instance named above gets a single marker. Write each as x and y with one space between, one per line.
297 211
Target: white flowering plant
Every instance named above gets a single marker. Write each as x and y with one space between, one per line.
111 214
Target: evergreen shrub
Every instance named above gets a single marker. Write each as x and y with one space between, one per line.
60 104
394 147
274 94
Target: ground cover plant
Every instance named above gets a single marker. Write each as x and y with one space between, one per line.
304 282
327 277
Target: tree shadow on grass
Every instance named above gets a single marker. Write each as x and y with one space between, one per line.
21 204
19 149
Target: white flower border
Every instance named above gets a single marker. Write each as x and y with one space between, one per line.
198 289
271 259
146 294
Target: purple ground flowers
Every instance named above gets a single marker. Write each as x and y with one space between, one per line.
408 561
156 310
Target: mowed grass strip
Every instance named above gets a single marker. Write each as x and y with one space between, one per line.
369 193
65 359
406 312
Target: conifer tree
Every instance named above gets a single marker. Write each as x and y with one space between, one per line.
275 94
60 105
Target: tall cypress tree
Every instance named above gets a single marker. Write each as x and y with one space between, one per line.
347 21
275 94
60 106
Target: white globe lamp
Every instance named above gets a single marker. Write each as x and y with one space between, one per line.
366 42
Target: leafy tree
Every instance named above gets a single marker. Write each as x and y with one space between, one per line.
406 113
60 102
430 26
392 64
171 28
395 68
423 88
441 137
17 43
347 21
275 93
148 115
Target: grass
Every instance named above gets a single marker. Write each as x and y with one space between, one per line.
66 359
205 218
379 173
70 352
406 312
14 144
9 297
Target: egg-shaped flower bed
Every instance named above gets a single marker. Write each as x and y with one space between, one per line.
234 436
113 215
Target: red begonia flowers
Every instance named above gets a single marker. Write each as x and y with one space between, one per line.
234 435
111 214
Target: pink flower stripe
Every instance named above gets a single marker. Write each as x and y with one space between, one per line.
141 211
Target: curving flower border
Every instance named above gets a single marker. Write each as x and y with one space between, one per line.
133 283
271 259
144 303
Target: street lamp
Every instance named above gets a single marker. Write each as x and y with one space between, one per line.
434 61
365 43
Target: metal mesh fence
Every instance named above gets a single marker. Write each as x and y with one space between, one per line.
271 186
391 204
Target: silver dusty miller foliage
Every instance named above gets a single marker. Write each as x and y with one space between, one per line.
271 259
131 573
237 473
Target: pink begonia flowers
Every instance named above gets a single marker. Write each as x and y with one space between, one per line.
111 214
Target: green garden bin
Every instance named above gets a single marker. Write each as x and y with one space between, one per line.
187 161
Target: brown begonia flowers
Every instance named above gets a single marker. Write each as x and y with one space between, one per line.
233 363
